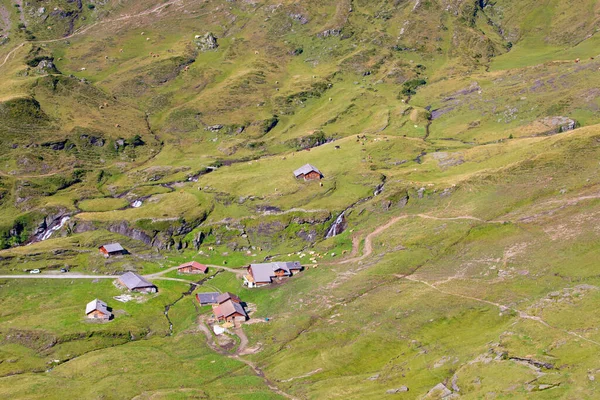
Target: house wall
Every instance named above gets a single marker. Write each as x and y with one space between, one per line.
189 270
97 315
145 290
312 176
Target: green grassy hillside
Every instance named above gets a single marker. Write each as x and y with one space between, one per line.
459 138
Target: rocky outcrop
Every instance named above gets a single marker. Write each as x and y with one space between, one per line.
330 32
558 125
206 42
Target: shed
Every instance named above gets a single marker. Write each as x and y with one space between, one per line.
112 249
207 298
192 267
97 309
308 172
136 283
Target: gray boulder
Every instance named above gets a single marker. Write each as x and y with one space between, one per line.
206 42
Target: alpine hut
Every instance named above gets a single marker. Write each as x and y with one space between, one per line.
97 309
308 173
137 283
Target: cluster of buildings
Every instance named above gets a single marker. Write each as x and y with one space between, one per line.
227 307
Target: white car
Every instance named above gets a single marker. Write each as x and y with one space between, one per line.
35 271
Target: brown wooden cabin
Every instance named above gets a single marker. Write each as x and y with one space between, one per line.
97 309
113 249
308 173
263 274
230 311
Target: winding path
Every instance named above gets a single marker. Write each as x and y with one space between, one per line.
155 9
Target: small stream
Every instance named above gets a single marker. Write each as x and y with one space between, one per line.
340 224
193 286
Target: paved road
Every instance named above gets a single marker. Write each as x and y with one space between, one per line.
61 276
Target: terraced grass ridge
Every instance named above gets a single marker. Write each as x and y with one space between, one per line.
451 248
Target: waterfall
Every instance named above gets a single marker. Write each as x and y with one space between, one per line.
338 226
48 232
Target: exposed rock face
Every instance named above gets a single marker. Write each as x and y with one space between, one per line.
93 140
47 67
439 391
300 18
124 229
60 145
330 32
206 42
558 124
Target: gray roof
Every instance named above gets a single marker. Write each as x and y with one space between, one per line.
207 298
134 281
305 169
113 247
264 272
97 305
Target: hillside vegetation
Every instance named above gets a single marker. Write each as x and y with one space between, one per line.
459 138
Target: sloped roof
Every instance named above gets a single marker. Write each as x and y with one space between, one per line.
265 271
134 281
305 169
194 264
97 305
229 308
113 247
207 298
227 296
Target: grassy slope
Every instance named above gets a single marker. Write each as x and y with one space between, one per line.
357 329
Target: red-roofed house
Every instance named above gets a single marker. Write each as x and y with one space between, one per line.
192 267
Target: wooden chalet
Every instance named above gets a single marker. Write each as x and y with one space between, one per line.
264 274
230 311
136 283
308 173
97 310
192 267
113 249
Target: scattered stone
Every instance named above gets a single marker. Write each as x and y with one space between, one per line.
438 391
373 378
397 390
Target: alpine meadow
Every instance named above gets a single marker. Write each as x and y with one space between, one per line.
299 199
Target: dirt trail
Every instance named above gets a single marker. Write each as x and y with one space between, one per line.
502 307
155 9
210 341
368 250
35 176
158 275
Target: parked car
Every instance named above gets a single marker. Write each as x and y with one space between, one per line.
63 270
35 271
